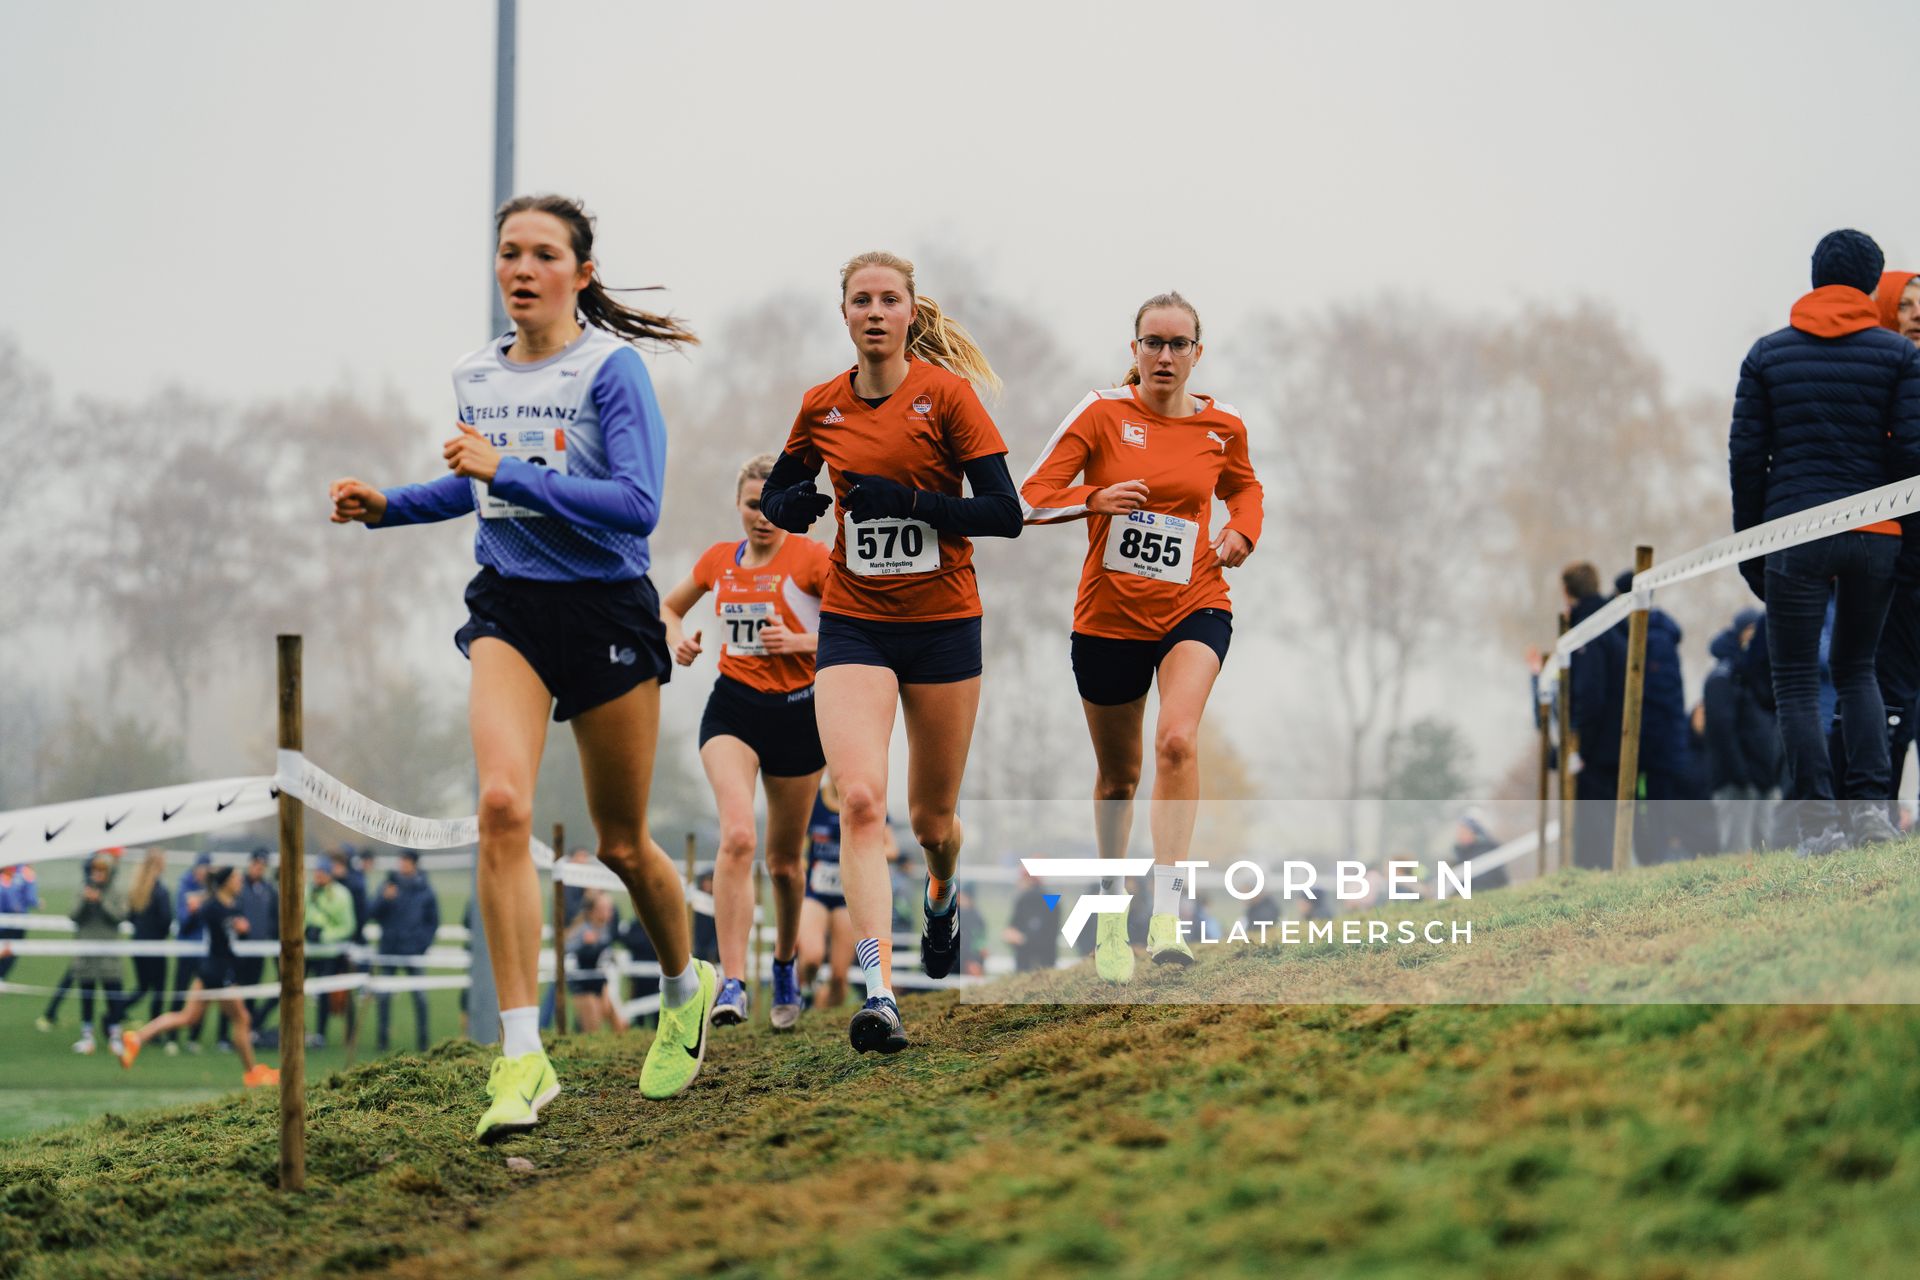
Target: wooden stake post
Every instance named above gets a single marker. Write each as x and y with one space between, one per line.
293 938
1540 712
759 902
559 932
1568 749
1628 793
690 849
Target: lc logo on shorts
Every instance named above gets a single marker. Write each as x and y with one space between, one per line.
625 657
1092 904
1133 433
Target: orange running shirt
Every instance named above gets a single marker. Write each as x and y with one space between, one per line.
922 435
1141 578
745 597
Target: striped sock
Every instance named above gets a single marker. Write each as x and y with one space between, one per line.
876 958
941 894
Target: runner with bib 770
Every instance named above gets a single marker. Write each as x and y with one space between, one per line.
1153 601
900 622
759 722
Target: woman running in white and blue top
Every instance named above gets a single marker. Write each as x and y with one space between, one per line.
562 452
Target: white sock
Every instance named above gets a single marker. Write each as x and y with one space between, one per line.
681 987
1167 885
520 1031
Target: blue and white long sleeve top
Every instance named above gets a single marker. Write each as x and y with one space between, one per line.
580 485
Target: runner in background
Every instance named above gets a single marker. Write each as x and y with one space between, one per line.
1150 457
826 930
900 622
561 449
759 723
218 915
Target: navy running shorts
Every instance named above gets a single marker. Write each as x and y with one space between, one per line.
589 642
1112 673
916 652
215 974
778 726
823 882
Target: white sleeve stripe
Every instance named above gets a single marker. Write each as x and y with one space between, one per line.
1047 515
1054 440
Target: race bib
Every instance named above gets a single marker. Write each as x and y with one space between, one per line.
542 446
823 878
744 620
1150 545
889 546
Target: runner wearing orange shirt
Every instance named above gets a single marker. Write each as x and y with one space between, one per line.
900 621
759 722
1152 457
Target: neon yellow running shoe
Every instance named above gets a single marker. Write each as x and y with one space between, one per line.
680 1045
1112 954
1164 943
519 1087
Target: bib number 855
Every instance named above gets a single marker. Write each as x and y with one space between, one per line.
1150 548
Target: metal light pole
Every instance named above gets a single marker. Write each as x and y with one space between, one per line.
483 1001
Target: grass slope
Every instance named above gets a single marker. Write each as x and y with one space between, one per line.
1118 1140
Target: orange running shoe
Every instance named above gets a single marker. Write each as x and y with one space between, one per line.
129 1048
262 1074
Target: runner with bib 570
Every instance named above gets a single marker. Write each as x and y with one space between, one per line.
562 450
1152 599
900 622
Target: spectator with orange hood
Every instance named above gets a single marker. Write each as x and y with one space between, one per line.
1826 408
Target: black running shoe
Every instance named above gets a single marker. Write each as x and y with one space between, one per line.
876 1028
940 939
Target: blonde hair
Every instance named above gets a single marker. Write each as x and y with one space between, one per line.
758 467
1171 298
933 336
145 878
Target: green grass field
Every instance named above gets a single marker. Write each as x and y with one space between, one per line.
1149 1140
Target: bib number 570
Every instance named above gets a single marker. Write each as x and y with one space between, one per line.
883 544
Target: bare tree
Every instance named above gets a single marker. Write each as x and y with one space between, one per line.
1380 415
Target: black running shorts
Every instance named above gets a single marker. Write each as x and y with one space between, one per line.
589 642
778 726
1111 672
942 652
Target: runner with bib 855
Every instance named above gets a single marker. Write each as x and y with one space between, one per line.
900 622
1153 602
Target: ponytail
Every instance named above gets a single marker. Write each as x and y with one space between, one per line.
932 336
596 301
938 339
1171 298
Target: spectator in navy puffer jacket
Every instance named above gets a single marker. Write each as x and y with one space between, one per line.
408 914
1826 408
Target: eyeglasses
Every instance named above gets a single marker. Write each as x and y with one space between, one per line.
1155 345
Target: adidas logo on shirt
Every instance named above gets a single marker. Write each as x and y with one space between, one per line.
833 416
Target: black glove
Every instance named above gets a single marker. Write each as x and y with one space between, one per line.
313 933
795 509
1755 572
876 497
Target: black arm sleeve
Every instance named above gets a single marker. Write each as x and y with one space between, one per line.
791 479
992 512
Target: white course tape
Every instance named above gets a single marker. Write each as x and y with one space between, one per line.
134 818
1888 502
38 923
325 794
